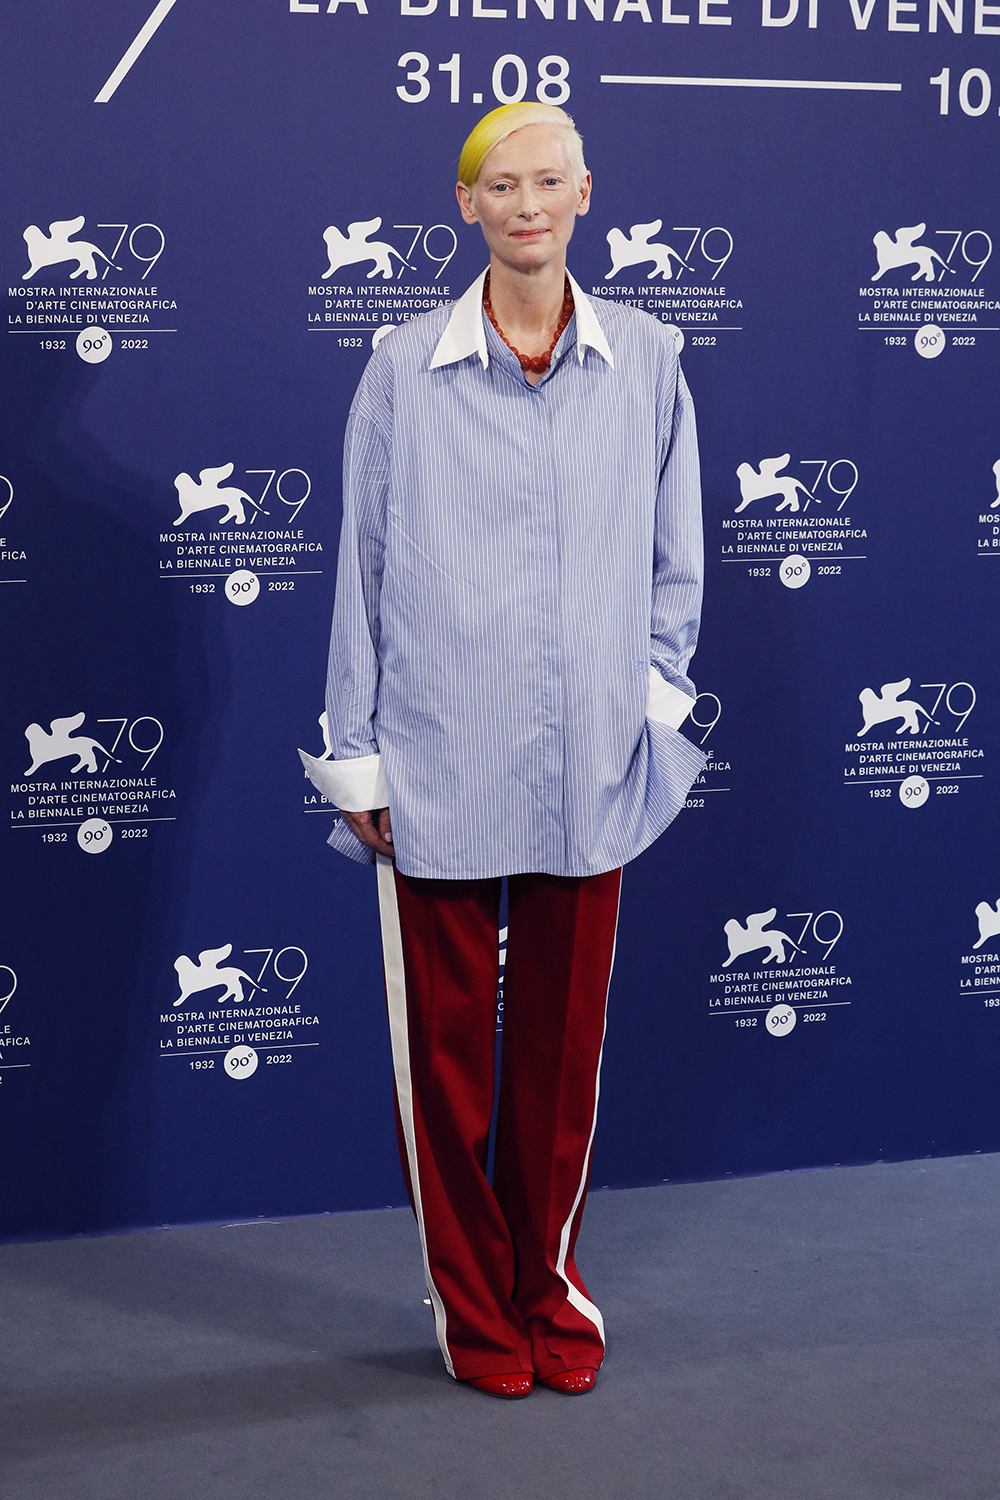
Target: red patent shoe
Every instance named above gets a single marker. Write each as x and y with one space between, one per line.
507 1387
572 1382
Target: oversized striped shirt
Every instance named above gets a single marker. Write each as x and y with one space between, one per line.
518 596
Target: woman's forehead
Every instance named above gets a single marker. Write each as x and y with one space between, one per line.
530 149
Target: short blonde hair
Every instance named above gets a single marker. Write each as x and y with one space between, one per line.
500 123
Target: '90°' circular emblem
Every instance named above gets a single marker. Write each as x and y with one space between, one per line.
94 835
914 791
794 571
780 1020
93 344
241 1062
929 341
242 587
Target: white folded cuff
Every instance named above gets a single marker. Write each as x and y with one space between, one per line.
667 704
352 785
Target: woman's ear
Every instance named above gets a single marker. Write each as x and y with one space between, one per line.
465 203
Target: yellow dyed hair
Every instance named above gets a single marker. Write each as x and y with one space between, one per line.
500 123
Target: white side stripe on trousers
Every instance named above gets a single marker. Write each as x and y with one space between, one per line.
574 1296
395 989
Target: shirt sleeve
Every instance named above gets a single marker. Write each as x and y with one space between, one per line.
678 567
351 776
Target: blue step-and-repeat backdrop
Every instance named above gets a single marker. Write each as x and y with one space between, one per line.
211 214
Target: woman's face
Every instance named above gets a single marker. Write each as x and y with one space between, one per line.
526 198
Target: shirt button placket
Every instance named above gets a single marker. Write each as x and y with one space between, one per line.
550 637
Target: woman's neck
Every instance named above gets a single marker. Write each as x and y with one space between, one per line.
528 306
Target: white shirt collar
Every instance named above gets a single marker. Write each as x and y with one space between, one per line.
465 333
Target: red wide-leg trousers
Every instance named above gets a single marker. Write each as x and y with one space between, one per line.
498 1259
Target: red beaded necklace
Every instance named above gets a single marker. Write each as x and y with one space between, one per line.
537 363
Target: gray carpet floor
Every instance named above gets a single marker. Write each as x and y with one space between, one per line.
809 1336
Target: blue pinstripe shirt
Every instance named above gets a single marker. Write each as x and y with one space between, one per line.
518 595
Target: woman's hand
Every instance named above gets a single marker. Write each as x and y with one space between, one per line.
374 829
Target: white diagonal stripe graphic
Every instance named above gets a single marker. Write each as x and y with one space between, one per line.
159 14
